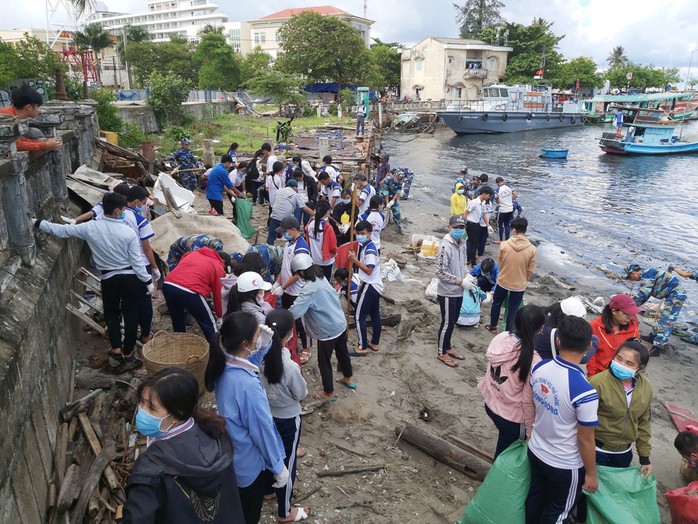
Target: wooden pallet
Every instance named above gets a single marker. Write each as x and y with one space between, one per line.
74 309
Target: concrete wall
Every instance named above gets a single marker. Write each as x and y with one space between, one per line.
36 332
141 114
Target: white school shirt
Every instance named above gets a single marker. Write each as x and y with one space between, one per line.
377 221
315 242
273 184
291 249
141 226
331 192
270 163
506 199
365 198
474 210
368 254
563 399
332 171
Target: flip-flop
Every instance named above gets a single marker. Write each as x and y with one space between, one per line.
354 353
301 514
319 396
350 385
373 347
455 355
304 356
491 329
450 362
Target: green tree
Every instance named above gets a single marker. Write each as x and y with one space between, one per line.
617 57
95 38
209 28
219 67
167 93
580 68
106 110
175 56
476 15
282 87
254 63
82 5
28 58
386 59
535 47
643 76
321 48
134 34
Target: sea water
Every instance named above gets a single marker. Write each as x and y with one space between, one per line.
599 210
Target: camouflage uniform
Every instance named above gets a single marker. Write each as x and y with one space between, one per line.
185 160
185 244
272 257
662 285
389 188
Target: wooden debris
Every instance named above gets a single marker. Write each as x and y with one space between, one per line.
350 470
90 482
88 378
96 448
78 406
456 458
70 489
470 448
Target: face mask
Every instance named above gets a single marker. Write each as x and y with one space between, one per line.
287 237
122 216
457 233
361 239
461 191
621 371
345 201
141 210
149 425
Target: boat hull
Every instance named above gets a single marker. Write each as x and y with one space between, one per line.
494 122
643 149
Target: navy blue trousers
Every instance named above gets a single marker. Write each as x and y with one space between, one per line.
368 303
180 301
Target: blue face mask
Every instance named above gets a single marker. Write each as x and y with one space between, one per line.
621 371
457 234
149 425
122 216
361 239
461 191
141 210
287 237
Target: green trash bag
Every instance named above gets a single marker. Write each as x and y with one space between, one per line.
244 213
501 497
623 497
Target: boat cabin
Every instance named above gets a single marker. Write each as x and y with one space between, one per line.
525 99
651 134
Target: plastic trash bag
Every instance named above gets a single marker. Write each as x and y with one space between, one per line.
390 271
430 292
244 214
623 496
501 497
470 308
683 503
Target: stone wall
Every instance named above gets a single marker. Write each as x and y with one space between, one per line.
141 114
36 332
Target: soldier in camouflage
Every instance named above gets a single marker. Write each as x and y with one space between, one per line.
185 160
391 189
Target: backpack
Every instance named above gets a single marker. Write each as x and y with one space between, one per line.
470 309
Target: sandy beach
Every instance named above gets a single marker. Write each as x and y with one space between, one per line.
396 383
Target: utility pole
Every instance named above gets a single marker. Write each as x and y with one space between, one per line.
365 8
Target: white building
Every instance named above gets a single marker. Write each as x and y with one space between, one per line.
262 32
163 18
451 68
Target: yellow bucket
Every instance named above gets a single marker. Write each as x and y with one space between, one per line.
112 138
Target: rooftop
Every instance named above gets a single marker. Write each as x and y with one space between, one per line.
320 9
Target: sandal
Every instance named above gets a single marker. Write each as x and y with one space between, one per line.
301 514
358 352
455 355
449 362
491 329
350 385
373 347
317 395
304 356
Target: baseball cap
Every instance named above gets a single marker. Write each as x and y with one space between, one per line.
456 220
573 306
185 141
249 281
624 303
289 222
292 183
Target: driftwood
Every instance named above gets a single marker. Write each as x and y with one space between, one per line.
70 488
91 481
88 378
78 406
445 452
470 448
350 470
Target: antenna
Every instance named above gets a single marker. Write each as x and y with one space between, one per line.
53 7
365 8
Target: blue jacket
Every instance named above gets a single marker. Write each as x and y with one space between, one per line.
321 310
217 179
243 403
492 277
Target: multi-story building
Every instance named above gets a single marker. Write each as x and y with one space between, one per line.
451 68
263 31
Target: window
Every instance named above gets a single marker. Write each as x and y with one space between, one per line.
256 38
418 65
450 59
492 63
459 91
263 38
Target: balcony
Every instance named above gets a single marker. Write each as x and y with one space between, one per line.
475 73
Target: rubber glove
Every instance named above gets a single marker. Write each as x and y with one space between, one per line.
151 289
391 204
266 335
274 287
281 478
490 229
488 299
68 220
233 199
278 291
156 274
468 282
343 228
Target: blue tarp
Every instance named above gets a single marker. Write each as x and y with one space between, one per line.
332 87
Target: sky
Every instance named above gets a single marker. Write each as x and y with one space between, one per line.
658 32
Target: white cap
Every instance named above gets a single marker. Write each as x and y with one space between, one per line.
573 306
249 281
301 261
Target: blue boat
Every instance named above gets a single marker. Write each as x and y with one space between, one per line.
648 133
553 152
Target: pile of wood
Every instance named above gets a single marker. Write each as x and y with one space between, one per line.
94 456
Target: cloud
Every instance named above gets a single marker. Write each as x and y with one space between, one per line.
651 31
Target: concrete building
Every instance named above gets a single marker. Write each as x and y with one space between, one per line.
450 68
262 31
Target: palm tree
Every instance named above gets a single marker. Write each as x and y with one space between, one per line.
82 5
208 28
93 37
133 34
617 57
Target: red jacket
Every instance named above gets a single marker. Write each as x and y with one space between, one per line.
200 271
608 344
329 240
24 144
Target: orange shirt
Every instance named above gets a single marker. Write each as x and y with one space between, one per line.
24 144
608 344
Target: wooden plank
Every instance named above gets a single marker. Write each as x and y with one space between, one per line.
88 274
91 482
61 450
96 447
467 446
83 300
87 320
70 489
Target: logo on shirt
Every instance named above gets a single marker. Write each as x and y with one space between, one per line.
496 375
545 393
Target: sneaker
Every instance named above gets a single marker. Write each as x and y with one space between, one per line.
656 351
130 363
115 361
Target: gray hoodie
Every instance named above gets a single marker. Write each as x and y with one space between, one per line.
285 397
451 266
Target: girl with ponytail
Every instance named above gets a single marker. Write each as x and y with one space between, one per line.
285 387
322 239
232 374
186 474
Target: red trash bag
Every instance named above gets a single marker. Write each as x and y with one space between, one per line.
683 503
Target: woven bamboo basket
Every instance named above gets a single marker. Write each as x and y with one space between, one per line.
180 350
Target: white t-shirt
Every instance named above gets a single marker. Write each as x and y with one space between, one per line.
308 170
273 184
141 226
365 198
474 210
270 163
506 199
368 254
332 171
236 177
291 249
315 242
332 193
302 190
377 221
563 399
486 210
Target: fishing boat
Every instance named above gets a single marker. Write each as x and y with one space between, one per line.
677 105
649 132
554 152
509 109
